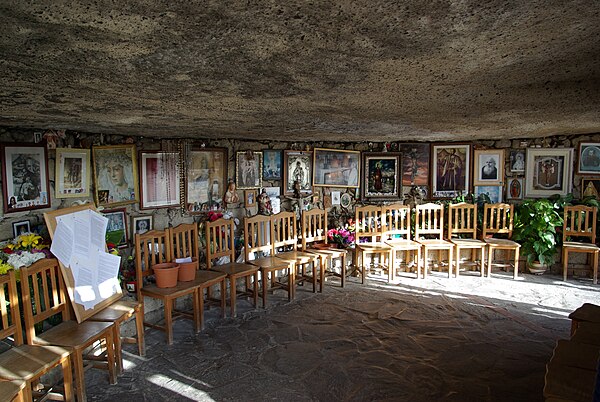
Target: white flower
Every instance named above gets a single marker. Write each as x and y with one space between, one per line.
24 259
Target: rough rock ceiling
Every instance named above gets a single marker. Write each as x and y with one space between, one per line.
318 70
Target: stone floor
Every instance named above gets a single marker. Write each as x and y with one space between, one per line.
466 339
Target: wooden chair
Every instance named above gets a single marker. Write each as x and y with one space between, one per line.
314 240
369 226
220 242
396 234
498 219
462 232
429 221
258 235
580 222
42 289
22 365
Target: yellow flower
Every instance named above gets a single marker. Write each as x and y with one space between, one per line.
4 268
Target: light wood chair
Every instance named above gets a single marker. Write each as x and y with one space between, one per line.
580 222
43 294
259 250
396 234
22 365
314 240
220 242
429 221
498 219
462 232
369 226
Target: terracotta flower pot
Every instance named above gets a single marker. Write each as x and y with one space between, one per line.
187 270
166 274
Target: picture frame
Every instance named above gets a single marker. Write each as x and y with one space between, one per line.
488 167
271 164
494 192
550 172
249 198
346 200
206 179
72 173
25 181
160 186
116 229
248 169
517 161
590 187
450 170
589 158
141 224
336 168
336 197
21 227
415 158
297 165
515 188
381 175
115 175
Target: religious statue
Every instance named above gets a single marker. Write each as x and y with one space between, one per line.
264 203
231 196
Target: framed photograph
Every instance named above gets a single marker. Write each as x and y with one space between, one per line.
24 177
206 176
336 197
415 164
72 175
141 224
488 168
450 170
550 171
160 179
20 228
116 230
297 167
272 165
494 192
248 169
335 168
517 161
381 175
590 187
346 200
249 198
514 188
115 175
589 158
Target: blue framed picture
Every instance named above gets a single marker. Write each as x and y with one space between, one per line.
271 165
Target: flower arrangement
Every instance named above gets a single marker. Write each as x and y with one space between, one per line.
342 237
22 251
212 216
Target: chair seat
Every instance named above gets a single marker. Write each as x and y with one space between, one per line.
468 243
269 262
117 311
499 243
435 243
235 269
26 362
403 244
10 389
589 247
300 257
203 278
373 247
73 335
327 252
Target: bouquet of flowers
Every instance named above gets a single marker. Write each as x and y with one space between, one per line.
22 251
342 237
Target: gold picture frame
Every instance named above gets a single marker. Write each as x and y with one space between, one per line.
115 175
72 173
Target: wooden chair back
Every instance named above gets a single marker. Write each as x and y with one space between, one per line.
284 231
368 221
429 221
580 221
396 221
184 241
257 236
42 290
220 241
153 247
498 218
9 308
462 220
314 227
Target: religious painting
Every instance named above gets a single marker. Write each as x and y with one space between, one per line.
493 192
72 175
514 188
450 170
141 224
488 169
21 228
589 158
415 164
116 229
517 161
24 177
271 165
248 169
381 175
249 198
115 175
298 168
590 188
550 171
160 179
336 168
206 174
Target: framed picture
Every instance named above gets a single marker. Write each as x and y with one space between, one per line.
517 161
549 171
141 224
488 167
590 187
248 169
272 165
249 198
115 175
336 197
334 168
494 192
20 228
160 179
206 176
116 230
415 164
72 175
514 188
346 200
298 166
381 175
589 158
25 177
450 170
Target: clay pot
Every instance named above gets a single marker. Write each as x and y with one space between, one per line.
166 274
187 270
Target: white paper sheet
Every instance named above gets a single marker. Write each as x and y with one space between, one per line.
62 245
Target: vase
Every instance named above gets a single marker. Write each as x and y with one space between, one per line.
187 270
166 274
537 268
